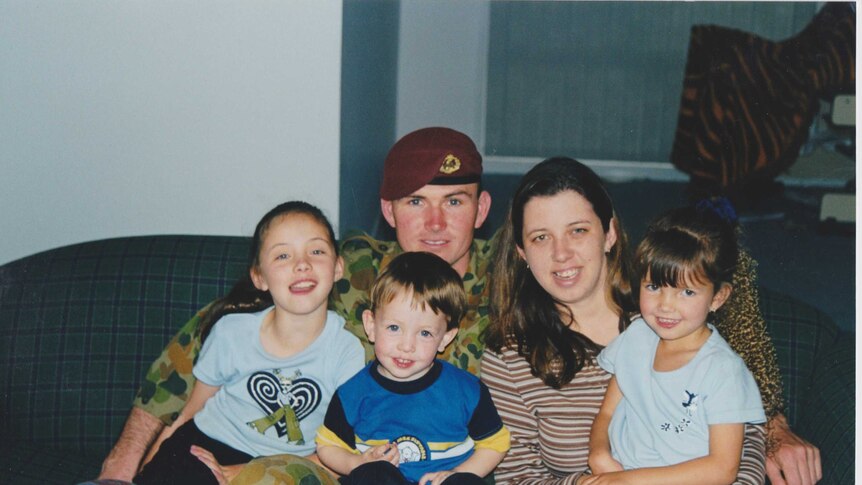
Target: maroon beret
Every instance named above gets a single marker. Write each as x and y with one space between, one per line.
436 156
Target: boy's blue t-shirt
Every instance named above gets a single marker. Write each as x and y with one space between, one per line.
435 420
664 417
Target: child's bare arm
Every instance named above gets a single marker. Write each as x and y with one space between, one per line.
487 454
200 394
482 462
342 461
601 460
720 466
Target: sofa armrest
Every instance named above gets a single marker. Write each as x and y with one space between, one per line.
800 334
80 323
827 414
818 370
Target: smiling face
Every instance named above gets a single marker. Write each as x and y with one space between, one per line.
406 338
679 313
297 264
439 219
565 246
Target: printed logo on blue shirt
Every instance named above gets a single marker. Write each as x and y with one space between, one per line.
411 449
689 408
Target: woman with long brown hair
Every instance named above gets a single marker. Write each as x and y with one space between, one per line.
561 291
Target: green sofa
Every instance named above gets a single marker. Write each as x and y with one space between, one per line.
80 324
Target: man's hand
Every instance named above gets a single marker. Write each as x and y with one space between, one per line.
125 457
792 461
223 473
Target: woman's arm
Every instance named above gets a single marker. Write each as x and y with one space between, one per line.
719 467
752 466
199 395
601 460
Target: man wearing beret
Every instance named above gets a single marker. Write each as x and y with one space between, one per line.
431 196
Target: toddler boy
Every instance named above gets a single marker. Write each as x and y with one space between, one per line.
408 417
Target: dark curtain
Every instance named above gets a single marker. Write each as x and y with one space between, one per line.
747 102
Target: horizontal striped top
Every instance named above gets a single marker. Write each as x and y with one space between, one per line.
550 428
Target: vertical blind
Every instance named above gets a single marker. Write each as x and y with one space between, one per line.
603 80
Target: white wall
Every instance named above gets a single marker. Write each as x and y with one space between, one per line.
442 66
154 117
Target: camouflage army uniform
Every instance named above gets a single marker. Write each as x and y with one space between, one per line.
169 380
363 259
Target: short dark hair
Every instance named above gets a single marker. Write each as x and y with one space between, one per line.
429 279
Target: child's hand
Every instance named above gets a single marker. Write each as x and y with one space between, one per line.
435 478
613 478
603 462
388 452
223 473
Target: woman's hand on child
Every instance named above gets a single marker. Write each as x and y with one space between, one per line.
435 478
388 452
603 462
224 474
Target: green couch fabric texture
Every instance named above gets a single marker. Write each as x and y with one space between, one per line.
79 325
827 422
818 370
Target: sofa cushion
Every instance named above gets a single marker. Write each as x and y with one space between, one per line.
26 462
80 324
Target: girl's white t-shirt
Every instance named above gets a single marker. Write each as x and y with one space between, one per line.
664 417
254 384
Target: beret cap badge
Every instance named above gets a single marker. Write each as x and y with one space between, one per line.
429 156
451 164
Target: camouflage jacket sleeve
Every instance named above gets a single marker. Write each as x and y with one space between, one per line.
466 349
363 257
169 380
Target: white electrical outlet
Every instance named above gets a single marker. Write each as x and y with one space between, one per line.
840 207
844 110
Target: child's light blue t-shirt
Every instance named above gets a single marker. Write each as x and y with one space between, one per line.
255 384
664 417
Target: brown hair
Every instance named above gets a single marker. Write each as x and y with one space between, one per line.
686 244
244 297
430 281
524 317
703 242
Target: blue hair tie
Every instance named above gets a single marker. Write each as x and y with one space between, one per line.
720 206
